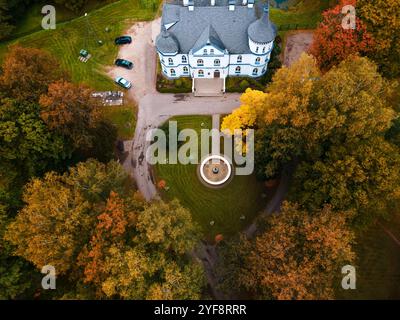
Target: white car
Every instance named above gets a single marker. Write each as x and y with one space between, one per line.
123 83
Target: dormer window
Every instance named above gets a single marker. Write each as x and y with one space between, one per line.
217 62
205 52
184 59
211 51
239 59
200 62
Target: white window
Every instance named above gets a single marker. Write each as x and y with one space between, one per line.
238 70
257 49
255 71
184 59
239 59
263 49
211 51
201 73
200 62
173 73
170 61
258 60
185 70
217 62
205 51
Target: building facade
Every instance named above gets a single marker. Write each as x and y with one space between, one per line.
214 39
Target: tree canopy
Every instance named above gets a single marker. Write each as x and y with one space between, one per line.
319 121
298 255
332 43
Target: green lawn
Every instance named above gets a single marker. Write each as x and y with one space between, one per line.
32 19
243 196
378 264
69 37
303 15
124 118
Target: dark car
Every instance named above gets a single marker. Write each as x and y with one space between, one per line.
124 63
123 40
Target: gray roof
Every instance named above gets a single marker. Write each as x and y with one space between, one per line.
166 42
209 36
212 24
262 30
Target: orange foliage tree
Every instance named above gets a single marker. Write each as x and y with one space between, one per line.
27 72
298 255
70 110
333 43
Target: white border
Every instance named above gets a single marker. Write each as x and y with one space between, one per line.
211 158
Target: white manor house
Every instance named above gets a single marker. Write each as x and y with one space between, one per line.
209 40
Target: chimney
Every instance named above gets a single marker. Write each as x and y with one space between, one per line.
244 2
213 3
232 5
185 3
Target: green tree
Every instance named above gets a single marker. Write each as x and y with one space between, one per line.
15 273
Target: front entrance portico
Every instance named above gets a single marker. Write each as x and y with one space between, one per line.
208 87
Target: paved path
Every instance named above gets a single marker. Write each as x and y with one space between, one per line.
297 42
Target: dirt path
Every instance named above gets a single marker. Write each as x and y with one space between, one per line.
297 42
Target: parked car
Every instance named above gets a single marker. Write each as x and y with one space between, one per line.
123 83
124 63
123 40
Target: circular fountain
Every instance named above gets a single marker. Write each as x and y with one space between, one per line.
215 170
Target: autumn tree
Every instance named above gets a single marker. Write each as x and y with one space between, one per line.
60 213
70 110
312 120
27 72
137 254
332 43
298 255
383 21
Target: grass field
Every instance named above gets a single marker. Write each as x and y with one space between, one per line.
124 118
243 196
378 264
32 19
66 41
304 14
